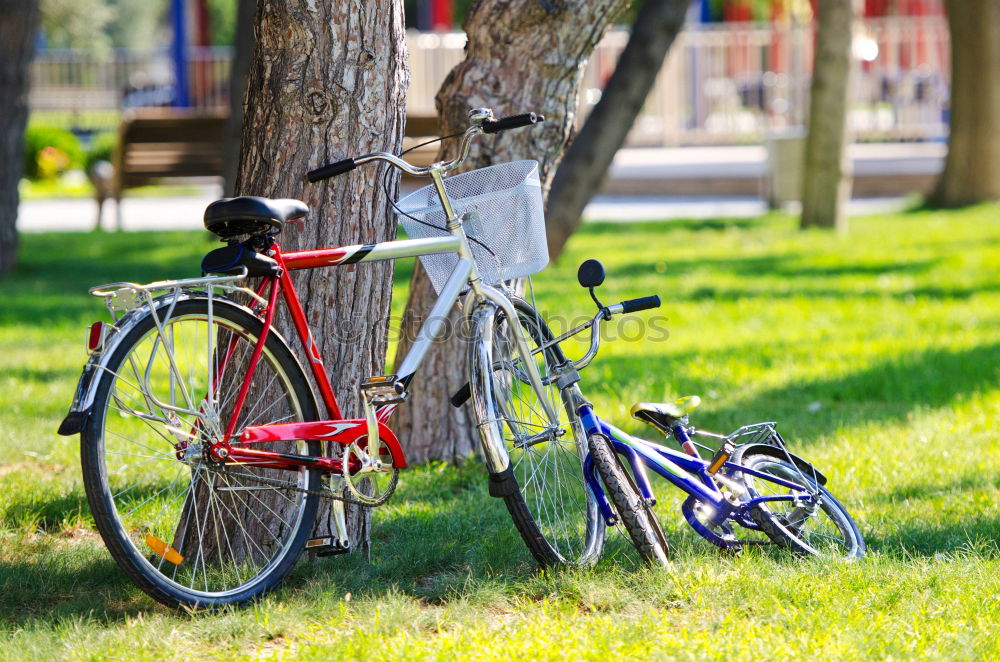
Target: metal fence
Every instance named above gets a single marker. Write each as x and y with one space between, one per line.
721 84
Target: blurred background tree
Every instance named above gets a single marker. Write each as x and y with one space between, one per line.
972 168
76 23
18 27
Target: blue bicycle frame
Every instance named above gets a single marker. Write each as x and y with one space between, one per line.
688 473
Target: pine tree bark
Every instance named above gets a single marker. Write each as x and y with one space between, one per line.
590 154
522 55
972 168
826 181
18 27
328 81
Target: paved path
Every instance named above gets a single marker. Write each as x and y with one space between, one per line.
185 213
682 182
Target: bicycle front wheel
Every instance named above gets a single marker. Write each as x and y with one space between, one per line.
551 506
821 527
188 529
640 522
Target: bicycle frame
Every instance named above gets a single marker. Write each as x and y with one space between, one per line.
335 429
688 473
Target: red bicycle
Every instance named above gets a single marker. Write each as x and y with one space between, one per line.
203 448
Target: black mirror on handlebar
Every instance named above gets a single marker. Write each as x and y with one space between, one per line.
590 274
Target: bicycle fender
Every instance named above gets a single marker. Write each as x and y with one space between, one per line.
778 453
86 390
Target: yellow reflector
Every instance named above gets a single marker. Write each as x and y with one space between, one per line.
164 550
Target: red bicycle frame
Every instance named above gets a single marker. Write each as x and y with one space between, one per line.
239 450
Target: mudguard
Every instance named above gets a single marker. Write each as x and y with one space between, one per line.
777 453
86 389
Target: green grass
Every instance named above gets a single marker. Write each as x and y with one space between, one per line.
878 352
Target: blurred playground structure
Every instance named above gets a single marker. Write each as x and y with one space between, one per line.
722 84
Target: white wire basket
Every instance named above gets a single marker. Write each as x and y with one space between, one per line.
505 226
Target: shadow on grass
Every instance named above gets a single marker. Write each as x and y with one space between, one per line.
974 535
787 265
56 269
659 229
709 293
442 535
67 581
888 390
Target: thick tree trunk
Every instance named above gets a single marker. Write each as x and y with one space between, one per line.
328 81
522 55
590 154
972 168
18 27
242 54
826 181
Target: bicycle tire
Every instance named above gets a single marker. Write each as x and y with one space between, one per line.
552 507
827 531
261 527
639 521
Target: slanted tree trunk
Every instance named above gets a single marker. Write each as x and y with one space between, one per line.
826 181
328 80
590 154
972 167
242 53
522 55
18 27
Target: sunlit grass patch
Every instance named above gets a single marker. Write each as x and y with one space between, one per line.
877 352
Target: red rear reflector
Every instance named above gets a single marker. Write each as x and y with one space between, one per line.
96 337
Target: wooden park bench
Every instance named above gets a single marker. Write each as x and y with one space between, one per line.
165 143
161 143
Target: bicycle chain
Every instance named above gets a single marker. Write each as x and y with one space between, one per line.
329 494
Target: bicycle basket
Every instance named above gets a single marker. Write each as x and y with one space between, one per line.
506 221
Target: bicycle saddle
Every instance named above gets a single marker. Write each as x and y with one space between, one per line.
249 214
662 415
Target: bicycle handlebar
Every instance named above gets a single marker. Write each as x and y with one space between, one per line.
482 125
643 303
512 122
604 314
331 170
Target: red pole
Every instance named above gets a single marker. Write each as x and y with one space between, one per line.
442 15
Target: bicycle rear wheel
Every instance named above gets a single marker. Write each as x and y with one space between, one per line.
552 507
187 529
823 528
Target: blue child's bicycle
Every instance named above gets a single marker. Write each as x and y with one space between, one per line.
751 482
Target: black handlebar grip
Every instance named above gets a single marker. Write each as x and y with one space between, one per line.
461 396
512 122
331 170
644 303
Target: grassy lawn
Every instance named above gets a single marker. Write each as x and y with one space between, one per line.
878 353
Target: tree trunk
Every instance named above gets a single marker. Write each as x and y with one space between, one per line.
328 81
826 181
522 55
972 168
592 150
242 54
18 27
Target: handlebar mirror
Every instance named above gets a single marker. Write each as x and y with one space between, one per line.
590 274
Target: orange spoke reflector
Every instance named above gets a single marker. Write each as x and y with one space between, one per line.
164 550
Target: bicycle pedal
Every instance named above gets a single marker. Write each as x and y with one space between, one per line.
384 390
327 546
